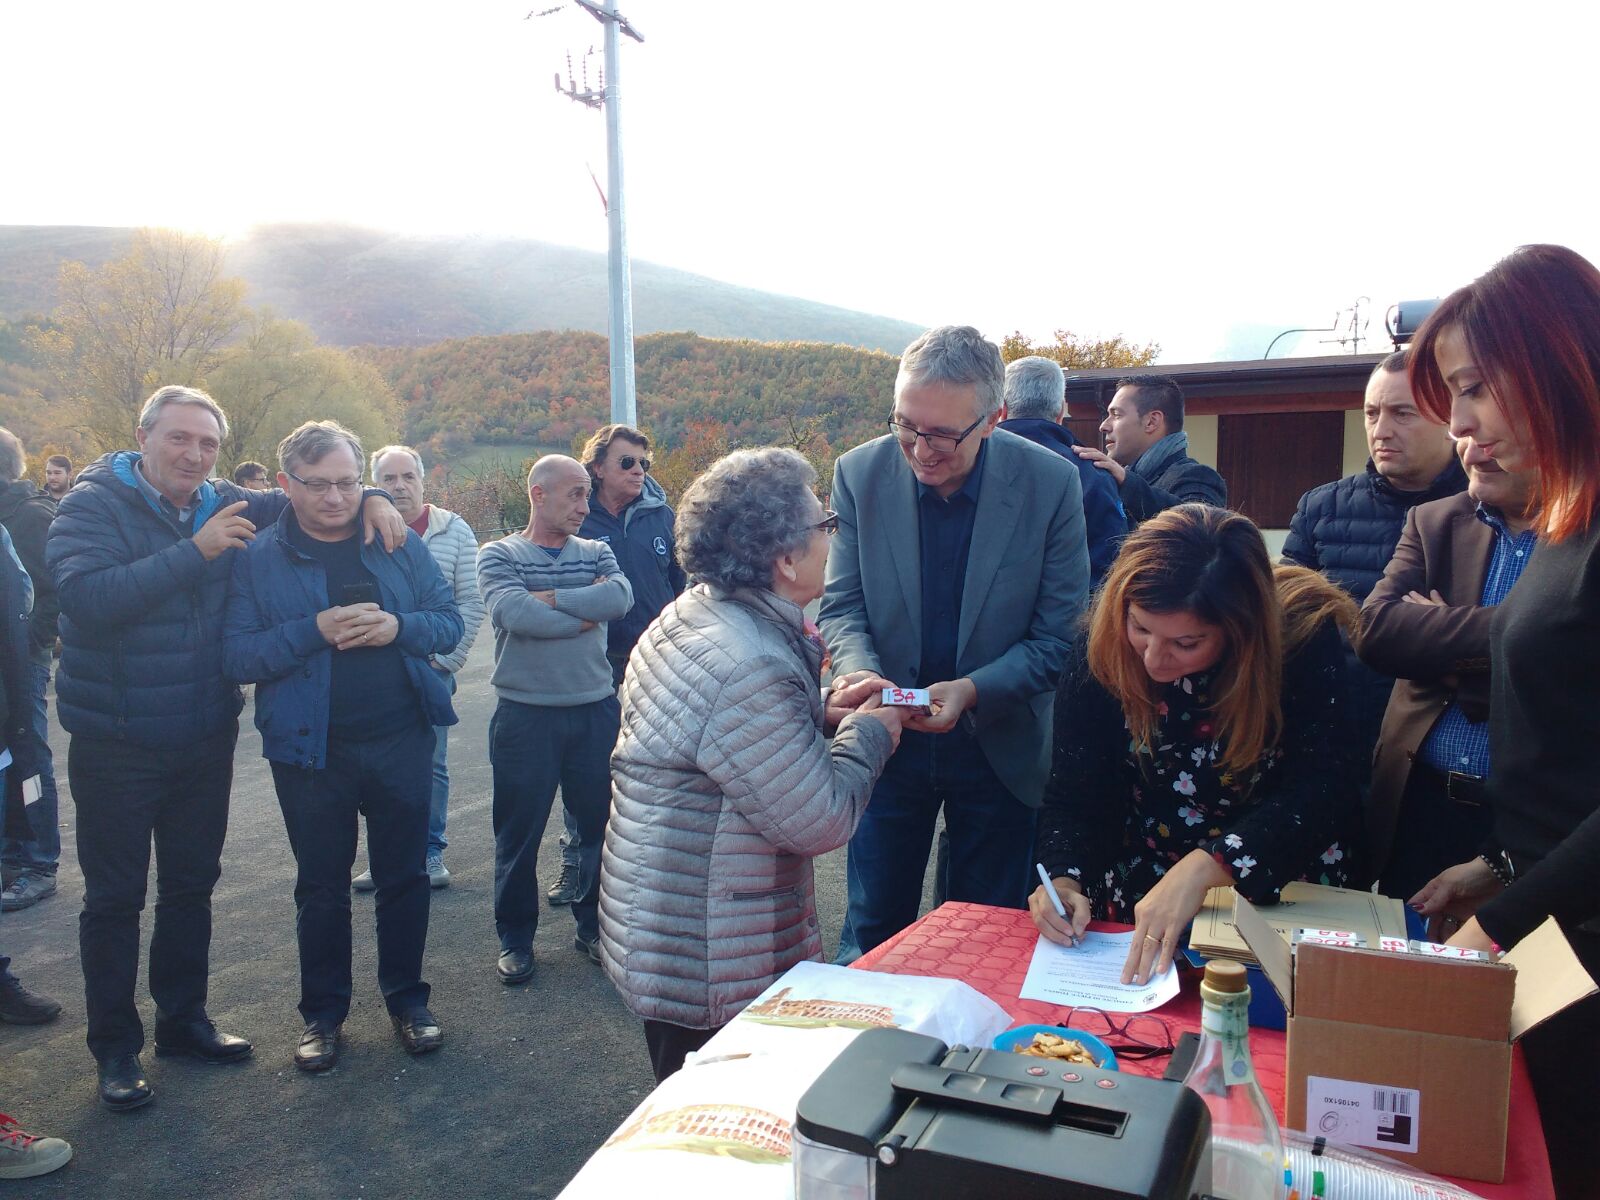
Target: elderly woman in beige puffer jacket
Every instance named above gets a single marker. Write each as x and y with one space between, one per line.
724 782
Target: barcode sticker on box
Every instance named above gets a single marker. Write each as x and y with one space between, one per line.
1363 1114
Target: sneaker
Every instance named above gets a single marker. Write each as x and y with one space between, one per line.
26 890
19 1006
584 946
565 889
24 1155
363 882
438 873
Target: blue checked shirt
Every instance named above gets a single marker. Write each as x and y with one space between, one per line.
1456 744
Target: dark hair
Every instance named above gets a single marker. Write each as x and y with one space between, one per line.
1156 392
1532 324
594 450
248 470
59 460
1213 563
1396 362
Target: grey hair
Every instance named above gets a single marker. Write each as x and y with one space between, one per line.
1035 387
379 455
313 441
13 458
742 513
960 355
173 394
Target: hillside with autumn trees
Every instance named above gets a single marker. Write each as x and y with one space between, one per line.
168 310
547 389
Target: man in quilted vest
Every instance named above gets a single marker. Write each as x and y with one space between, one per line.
1348 529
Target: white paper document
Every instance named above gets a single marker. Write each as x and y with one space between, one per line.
1090 974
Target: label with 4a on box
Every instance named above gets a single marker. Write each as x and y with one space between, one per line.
1363 1114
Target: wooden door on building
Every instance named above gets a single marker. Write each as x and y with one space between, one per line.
1270 460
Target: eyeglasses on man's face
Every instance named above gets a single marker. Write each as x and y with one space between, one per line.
627 462
829 523
319 487
939 443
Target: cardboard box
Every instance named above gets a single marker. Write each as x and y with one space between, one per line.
1406 1054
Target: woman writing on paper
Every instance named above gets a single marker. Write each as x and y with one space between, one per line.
1513 362
1197 737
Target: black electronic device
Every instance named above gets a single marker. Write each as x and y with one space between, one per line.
901 1116
359 593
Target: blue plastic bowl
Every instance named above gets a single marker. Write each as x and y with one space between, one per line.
1023 1034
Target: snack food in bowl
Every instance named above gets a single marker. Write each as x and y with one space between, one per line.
1058 1043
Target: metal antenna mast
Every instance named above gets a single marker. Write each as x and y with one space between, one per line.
624 406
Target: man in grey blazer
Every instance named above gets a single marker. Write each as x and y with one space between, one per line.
960 566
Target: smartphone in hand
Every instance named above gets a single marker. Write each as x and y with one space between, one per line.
359 593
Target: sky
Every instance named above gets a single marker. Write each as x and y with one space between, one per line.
1203 176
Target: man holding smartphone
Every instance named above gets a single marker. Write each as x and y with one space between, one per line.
338 636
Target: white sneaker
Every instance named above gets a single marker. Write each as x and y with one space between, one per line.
438 873
24 1155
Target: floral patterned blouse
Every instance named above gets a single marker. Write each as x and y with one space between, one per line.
1117 814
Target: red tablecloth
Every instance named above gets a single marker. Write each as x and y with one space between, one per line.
990 948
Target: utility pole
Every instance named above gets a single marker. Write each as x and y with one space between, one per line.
624 406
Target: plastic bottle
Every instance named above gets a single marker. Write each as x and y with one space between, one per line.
1246 1149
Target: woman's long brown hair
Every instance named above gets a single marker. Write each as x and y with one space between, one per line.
1213 563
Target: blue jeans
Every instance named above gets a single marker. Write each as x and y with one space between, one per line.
991 842
43 852
533 749
439 806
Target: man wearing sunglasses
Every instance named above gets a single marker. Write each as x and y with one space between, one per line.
961 566
629 512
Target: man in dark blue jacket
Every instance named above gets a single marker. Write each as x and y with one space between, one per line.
1147 450
20 751
140 551
1035 403
629 512
338 637
1348 529
28 864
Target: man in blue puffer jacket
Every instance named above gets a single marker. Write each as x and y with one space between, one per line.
1348 529
140 552
339 637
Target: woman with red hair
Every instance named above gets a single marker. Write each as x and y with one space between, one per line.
1513 362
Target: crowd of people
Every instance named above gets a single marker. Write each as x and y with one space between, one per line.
1123 687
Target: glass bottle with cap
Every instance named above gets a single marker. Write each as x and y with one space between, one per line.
1246 1148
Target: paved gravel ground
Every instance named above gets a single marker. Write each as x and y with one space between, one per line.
529 1083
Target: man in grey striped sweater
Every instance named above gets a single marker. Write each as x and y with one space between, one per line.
548 595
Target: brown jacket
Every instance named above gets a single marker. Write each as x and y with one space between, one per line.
1438 655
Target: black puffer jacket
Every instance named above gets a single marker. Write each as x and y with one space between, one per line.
1348 529
16 704
26 513
141 610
